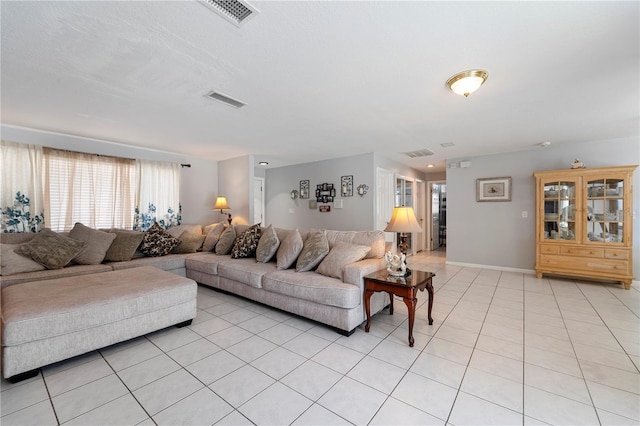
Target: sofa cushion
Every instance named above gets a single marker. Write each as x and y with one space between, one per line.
53 251
16 237
48 274
98 242
315 248
313 287
189 243
268 245
247 271
124 246
374 239
340 256
166 263
206 263
289 250
212 236
12 263
177 230
225 243
158 242
246 244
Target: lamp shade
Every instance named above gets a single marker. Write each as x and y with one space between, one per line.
221 204
403 220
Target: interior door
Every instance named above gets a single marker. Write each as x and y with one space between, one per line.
258 201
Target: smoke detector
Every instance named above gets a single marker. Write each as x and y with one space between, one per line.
234 11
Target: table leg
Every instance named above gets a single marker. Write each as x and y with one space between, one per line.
367 308
411 307
430 290
390 303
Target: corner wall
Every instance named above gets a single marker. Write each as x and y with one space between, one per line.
494 233
235 181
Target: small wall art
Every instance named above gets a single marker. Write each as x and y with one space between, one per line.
324 209
325 192
304 189
346 186
493 189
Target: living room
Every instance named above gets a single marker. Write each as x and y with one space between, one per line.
567 92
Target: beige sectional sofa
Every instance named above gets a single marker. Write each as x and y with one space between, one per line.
337 302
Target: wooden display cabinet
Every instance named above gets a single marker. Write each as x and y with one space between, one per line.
584 223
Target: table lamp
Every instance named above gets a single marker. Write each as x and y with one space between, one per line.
403 220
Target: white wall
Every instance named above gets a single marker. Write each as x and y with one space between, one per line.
235 181
357 212
494 233
198 183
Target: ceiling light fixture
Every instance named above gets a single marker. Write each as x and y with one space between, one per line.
263 163
467 82
430 165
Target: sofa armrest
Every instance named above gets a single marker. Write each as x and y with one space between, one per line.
354 272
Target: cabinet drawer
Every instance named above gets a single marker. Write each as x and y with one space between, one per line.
582 251
545 249
617 254
584 265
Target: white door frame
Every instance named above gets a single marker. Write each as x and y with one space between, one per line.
259 201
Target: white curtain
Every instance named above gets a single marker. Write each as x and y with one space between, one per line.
98 191
21 195
158 198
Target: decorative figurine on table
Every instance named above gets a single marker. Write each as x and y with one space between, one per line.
577 164
396 265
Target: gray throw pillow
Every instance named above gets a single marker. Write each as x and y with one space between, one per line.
98 242
158 242
124 246
268 245
12 263
341 255
189 243
212 237
315 248
225 243
51 250
289 250
246 244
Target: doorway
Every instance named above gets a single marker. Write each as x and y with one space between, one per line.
258 201
437 215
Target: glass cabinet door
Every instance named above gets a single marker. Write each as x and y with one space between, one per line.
559 211
605 210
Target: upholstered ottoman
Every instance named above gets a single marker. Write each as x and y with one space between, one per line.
48 321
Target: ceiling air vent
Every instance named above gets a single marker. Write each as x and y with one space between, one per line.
418 153
447 144
234 11
225 99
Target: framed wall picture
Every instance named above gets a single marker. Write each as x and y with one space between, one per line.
493 189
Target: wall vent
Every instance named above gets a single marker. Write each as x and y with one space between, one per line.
447 144
418 153
217 96
234 11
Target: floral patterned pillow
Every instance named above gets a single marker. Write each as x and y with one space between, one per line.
246 244
158 242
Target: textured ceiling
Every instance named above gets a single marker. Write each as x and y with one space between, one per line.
323 79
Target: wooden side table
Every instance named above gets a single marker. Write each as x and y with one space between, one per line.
405 287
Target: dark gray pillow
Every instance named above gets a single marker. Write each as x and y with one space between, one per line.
98 242
124 246
225 243
315 248
158 242
268 245
51 250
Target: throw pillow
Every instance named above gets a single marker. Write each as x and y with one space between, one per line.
225 243
212 237
246 244
315 248
341 255
268 245
51 250
98 242
189 243
157 242
124 246
12 263
289 250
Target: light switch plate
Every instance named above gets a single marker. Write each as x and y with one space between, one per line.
337 203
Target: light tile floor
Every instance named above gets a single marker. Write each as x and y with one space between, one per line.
505 348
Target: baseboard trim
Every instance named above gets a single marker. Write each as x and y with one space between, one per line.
492 267
502 268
